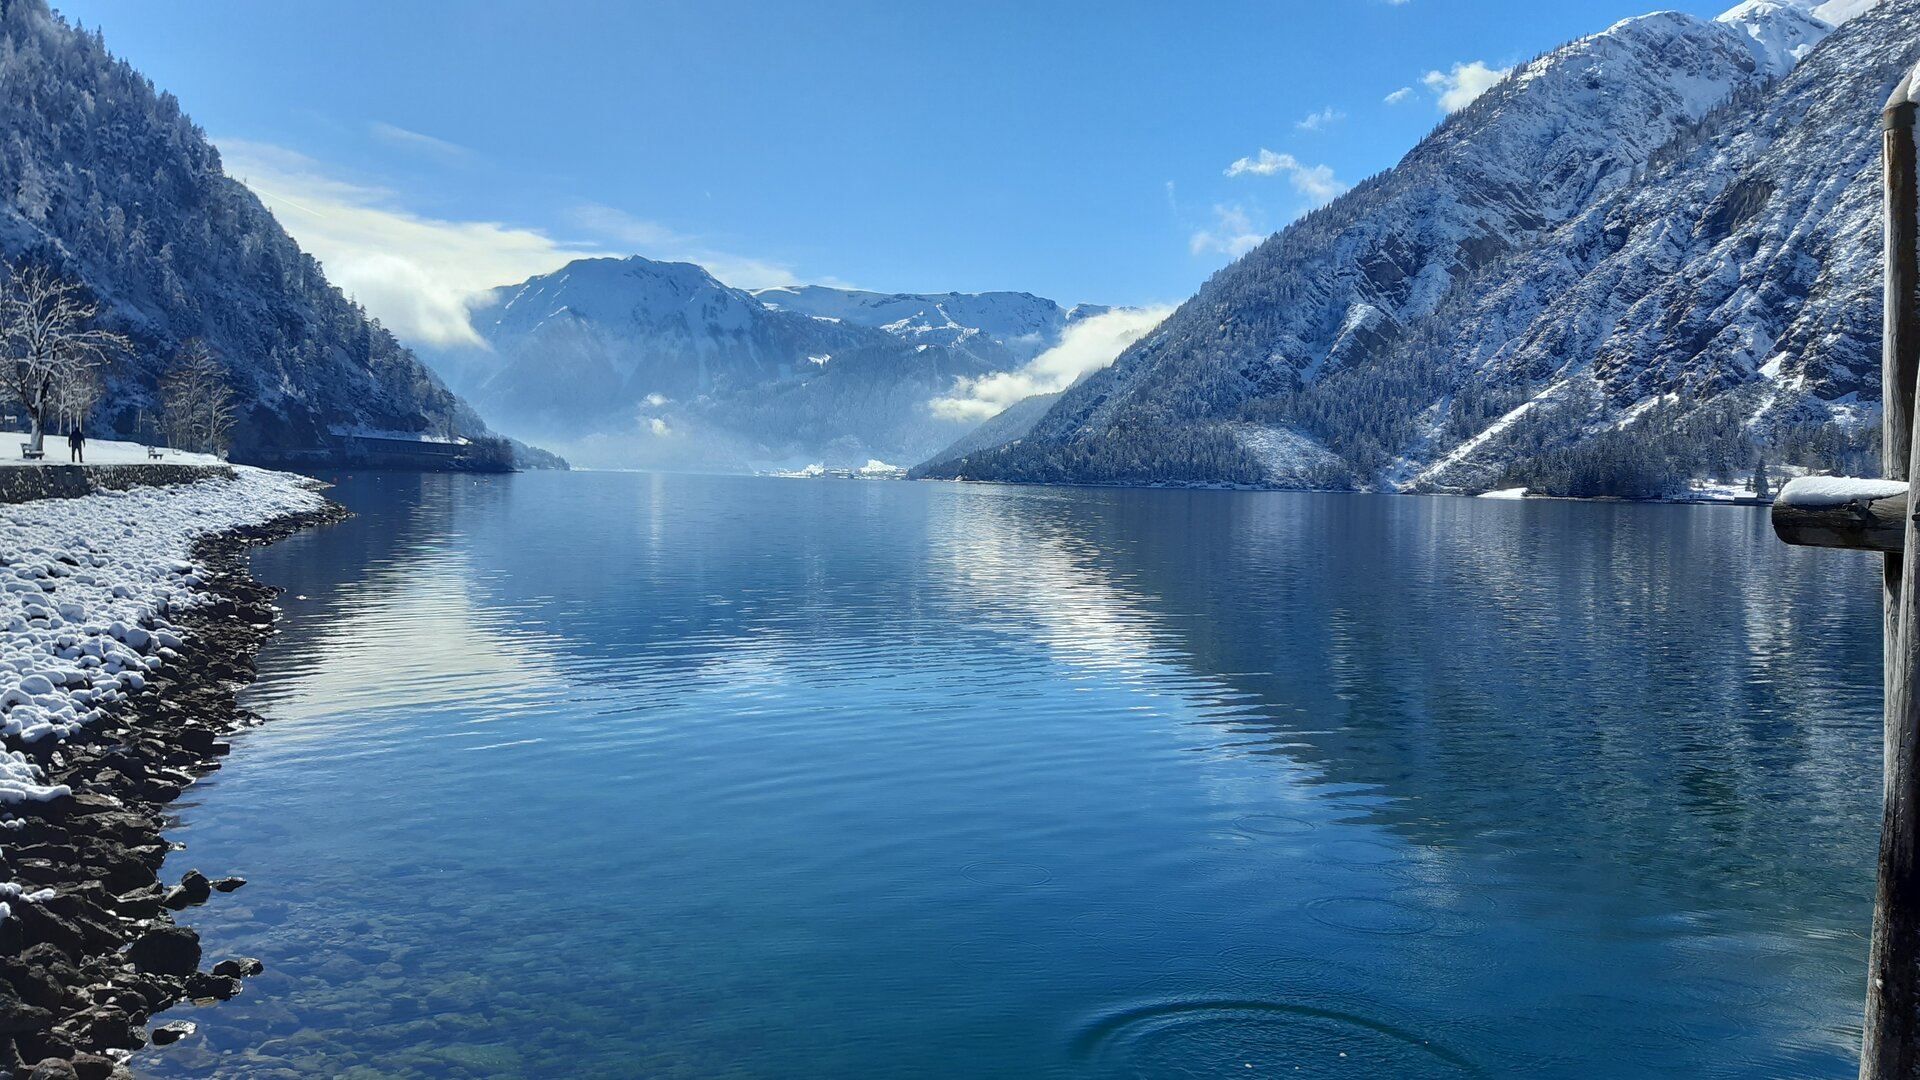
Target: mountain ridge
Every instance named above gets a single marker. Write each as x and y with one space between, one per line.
1331 299
634 361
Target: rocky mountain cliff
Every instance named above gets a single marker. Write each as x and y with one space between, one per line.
1003 326
104 177
1670 223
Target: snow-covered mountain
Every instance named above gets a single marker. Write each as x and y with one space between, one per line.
1735 291
1018 326
1671 221
107 180
636 362
1780 32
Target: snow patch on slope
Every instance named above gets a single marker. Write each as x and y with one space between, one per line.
1781 32
1835 12
1778 32
1465 450
1288 455
1024 324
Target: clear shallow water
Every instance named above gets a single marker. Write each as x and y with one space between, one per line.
624 775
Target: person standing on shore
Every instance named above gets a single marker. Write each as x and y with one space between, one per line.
77 445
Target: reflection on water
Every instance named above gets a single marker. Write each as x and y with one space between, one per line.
609 776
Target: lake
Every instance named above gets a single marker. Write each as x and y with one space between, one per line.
626 775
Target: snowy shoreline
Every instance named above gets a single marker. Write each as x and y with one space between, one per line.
90 585
129 620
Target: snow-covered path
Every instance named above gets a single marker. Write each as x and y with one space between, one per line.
97 451
86 588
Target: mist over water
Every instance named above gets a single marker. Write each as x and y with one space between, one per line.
601 775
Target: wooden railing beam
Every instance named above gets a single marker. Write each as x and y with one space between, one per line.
1867 523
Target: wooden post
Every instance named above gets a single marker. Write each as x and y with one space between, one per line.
1891 1040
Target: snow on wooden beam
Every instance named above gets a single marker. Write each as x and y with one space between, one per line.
1842 512
1906 92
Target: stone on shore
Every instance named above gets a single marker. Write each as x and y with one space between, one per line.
166 950
194 888
93 1066
204 987
172 1032
87 950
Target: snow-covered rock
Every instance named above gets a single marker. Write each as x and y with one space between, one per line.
87 590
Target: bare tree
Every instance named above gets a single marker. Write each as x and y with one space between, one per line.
197 399
75 396
48 341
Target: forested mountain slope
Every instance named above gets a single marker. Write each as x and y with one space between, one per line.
104 177
1729 301
1648 223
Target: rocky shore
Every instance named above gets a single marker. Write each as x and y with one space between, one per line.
90 952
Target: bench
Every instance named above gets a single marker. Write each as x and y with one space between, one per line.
28 453
153 453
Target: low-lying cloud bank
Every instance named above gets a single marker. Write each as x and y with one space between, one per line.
1087 346
421 275
416 273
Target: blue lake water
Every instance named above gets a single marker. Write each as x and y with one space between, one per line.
601 775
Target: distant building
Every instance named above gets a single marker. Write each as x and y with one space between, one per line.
396 449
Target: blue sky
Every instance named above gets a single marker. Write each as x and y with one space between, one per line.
1083 152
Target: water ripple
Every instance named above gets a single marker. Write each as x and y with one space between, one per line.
1229 1037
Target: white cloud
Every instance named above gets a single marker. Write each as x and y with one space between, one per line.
395 135
417 274
1317 182
1232 233
1399 95
1457 89
1266 164
658 427
1321 120
1087 345
420 275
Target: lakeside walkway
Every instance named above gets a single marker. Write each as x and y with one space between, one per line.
110 466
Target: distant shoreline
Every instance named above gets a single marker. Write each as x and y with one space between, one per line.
1492 496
